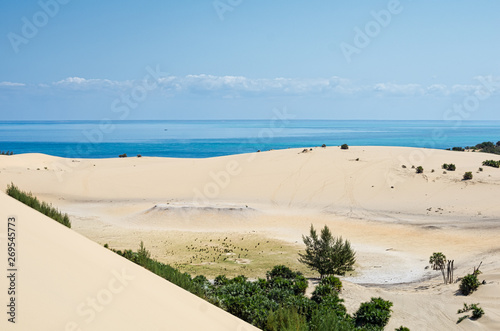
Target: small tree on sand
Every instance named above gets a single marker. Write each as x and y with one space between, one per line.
327 255
438 262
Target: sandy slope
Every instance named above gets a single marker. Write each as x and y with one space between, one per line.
394 217
67 282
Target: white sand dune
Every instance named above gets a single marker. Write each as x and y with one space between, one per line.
394 217
67 282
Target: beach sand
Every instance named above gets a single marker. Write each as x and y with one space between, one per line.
264 203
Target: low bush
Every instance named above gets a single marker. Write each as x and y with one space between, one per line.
122 155
325 319
375 313
7 153
333 281
458 149
43 207
468 175
492 163
449 167
281 271
420 170
469 284
321 291
221 280
344 146
286 319
402 328
477 312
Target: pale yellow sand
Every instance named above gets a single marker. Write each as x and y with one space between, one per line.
67 282
394 217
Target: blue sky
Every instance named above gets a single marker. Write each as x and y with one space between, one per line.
240 59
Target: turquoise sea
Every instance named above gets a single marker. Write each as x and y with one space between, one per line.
200 139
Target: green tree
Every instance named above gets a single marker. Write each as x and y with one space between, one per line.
327 255
438 262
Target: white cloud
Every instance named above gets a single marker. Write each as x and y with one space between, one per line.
243 85
79 83
11 84
238 86
399 89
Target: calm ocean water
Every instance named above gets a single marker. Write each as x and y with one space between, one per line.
199 139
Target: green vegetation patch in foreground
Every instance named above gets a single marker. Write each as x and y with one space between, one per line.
277 302
43 207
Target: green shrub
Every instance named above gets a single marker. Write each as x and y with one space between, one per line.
420 169
492 163
458 149
281 271
374 313
449 167
33 202
402 328
468 175
286 319
344 146
334 303
300 285
333 282
477 312
202 281
321 291
486 144
469 284
241 279
221 280
323 320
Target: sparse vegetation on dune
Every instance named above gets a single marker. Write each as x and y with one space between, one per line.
449 167
468 175
485 147
477 312
6 153
491 163
41 206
